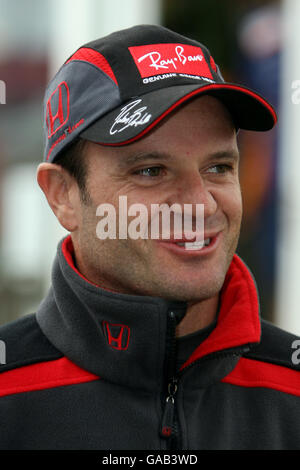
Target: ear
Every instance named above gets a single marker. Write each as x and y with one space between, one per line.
62 193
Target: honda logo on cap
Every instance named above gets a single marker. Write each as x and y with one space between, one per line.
58 108
117 335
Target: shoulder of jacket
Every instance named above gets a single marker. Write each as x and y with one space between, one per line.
277 346
22 342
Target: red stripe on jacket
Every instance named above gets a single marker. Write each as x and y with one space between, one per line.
43 375
252 373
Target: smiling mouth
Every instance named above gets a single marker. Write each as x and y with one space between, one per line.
192 248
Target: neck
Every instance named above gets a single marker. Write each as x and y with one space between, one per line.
198 316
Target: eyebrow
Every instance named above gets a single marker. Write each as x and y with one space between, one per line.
224 155
140 157
161 156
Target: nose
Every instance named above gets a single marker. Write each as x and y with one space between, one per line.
192 189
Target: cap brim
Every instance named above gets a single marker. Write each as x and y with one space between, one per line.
132 120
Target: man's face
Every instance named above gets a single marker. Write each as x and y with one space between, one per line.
191 158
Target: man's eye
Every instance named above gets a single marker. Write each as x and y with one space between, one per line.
151 171
222 168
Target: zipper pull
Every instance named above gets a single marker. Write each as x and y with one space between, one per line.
168 415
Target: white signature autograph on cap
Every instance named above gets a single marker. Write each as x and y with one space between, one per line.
130 117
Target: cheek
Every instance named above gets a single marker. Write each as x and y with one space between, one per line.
231 204
238 199
88 225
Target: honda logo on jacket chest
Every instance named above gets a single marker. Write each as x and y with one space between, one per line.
117 335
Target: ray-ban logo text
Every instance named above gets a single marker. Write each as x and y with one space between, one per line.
159 63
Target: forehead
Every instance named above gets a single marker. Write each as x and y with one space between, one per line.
203 125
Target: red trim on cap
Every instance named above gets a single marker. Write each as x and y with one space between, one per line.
43 375
238 318
252 373
93 57
187 97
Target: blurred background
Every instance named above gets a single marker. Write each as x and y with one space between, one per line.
254 42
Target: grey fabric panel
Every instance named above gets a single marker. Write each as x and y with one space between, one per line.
91 94
72 319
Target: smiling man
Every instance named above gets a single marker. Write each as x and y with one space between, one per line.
148 343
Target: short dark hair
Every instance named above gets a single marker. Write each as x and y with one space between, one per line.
72 159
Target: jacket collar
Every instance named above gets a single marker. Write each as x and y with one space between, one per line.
238 320
122 338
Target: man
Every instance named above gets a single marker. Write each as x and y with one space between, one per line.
144 342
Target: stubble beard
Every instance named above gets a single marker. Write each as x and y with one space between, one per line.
120 266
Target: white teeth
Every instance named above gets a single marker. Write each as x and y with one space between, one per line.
194 245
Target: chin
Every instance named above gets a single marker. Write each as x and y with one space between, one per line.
192 289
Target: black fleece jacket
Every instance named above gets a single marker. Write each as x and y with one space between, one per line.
95 369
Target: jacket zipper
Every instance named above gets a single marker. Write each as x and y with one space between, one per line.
169 427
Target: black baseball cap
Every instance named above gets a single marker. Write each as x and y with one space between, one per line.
114 90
